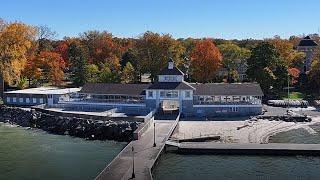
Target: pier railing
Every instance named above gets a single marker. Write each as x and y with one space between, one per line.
163 146
148 120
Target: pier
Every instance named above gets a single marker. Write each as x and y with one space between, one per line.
247 149
145 154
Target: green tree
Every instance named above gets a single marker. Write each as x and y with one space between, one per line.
107 76
128 73
131 56
92 71
78 62
312 79
266 67
232 57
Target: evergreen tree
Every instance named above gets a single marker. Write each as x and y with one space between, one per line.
78 62
128 73
266 67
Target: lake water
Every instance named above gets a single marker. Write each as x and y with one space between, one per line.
34 154
176 166
188 167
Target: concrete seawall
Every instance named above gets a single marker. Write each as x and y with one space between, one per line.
282 149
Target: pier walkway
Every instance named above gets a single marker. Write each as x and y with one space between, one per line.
250 148
145 154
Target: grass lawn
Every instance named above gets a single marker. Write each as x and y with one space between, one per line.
293 95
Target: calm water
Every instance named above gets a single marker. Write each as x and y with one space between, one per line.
189 167
175 166
34 154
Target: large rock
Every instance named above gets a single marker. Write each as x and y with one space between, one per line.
83 128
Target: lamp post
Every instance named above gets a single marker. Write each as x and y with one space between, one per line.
133 175
154 135
288 93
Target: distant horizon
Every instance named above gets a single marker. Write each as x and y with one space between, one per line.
248 19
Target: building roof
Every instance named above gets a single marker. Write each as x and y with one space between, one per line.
244 89
307 41
115 89
45 91
172 85
174 71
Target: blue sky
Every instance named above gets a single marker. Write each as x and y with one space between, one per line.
228 19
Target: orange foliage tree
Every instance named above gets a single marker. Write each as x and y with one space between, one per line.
294 74
52 66
205 61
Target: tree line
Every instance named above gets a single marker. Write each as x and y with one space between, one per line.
32 56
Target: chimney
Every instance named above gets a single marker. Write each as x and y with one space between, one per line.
170 64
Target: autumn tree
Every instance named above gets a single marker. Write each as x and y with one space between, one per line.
62 48
205 61
128 74
232 57
101 47
287 52
54 67
15 41
154 50
294 75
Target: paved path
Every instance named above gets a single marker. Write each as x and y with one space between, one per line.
121 166
250 148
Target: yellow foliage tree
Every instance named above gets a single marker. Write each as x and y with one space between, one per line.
15 41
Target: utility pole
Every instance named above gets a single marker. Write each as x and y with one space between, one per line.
154 134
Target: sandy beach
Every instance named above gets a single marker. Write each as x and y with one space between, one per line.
247 131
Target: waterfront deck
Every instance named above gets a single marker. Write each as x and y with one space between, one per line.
145 154
250 148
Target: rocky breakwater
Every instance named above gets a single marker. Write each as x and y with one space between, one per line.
78 127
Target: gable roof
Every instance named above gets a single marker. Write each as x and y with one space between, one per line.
172 85
244 89
174 71
307 41
113 88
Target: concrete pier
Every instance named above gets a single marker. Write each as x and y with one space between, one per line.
249 149
145 155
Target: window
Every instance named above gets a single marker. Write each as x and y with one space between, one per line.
41 100
187 94
34 100
14 99
150 94
162 94
28 100
234 109
169 78
168 94
8 99
20 100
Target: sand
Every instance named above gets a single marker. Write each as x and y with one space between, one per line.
251 132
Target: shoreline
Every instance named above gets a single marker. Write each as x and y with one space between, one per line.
89 129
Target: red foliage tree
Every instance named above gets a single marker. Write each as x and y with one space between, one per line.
205 61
